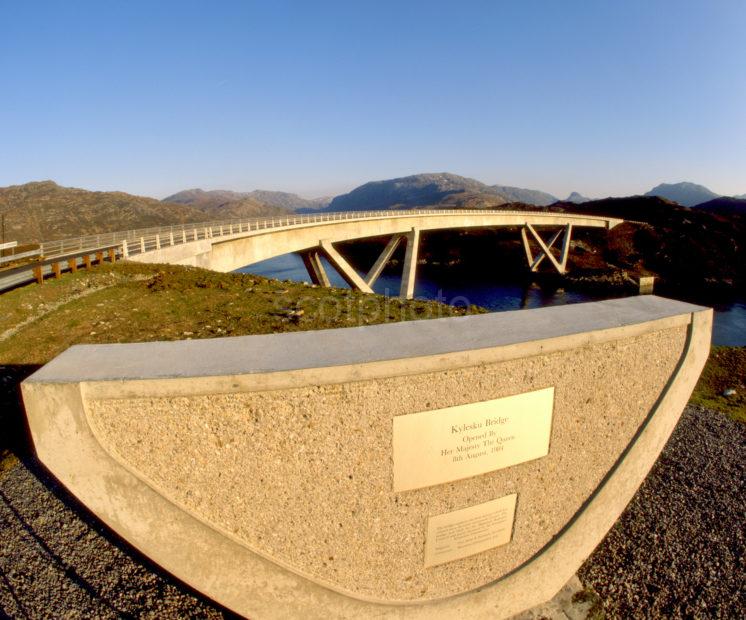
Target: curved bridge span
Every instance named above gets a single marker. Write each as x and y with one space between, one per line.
239 244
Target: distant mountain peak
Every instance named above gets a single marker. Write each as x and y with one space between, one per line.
577 198
687 194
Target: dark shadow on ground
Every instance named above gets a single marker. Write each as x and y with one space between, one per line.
45 530
14 437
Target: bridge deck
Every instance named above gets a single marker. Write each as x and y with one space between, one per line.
230 244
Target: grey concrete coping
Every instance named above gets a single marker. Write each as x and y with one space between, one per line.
355 345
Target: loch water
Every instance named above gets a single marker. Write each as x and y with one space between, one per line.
500 294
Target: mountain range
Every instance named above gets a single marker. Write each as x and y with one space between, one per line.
430 189
46 211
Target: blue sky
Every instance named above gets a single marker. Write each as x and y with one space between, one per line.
602 97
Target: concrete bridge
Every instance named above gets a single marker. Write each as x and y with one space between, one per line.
230 245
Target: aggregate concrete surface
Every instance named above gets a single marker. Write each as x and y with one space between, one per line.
677 551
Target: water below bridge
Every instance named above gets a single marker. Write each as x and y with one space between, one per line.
455 288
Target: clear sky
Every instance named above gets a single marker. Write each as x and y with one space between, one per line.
603 97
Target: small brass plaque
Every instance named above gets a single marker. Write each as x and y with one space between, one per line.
432 447
468 531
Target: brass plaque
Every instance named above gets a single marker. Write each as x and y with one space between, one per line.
468 531
432 447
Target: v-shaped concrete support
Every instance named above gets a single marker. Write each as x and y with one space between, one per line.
561 265
343 267
315 268
382 259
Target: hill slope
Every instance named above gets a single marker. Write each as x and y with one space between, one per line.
224 204
274 202
686 194
527 196
42 211
688 247
724 206
287 201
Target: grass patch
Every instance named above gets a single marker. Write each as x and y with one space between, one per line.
725 370
139 303
132 302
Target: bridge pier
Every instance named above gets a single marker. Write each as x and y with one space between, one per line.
410 264
344 268
545 248
312 262
315 268
383 258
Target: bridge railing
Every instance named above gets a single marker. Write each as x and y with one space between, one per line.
136 241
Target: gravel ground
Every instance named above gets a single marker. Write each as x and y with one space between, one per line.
57 562
677 551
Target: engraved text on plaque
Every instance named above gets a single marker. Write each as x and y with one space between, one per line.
468 531
432 447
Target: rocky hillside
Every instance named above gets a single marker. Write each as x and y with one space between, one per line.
431 189
471 200
688 248
42 211
725 206
223 204
528 196
289 202
266 202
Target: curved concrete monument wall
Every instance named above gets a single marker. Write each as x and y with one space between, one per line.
419 469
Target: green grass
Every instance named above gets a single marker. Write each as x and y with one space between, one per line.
725 369
130 302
